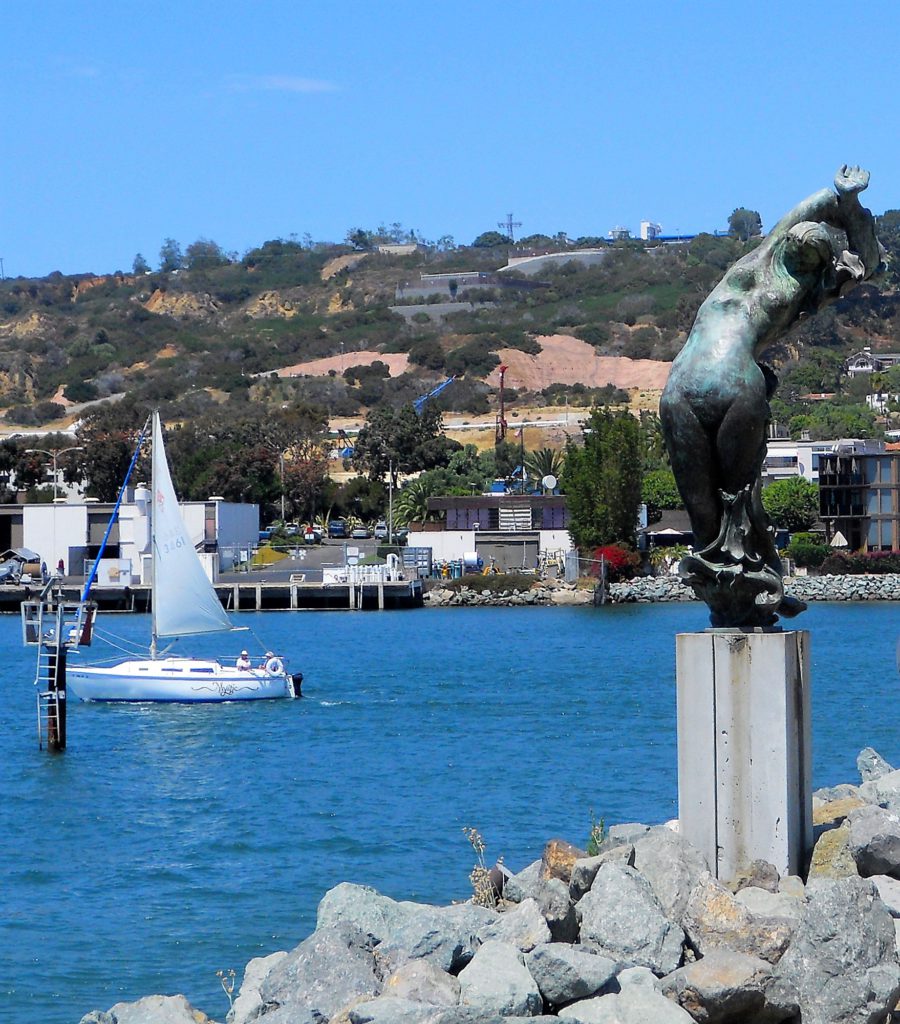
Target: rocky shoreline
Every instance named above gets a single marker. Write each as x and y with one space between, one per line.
638 933
654 589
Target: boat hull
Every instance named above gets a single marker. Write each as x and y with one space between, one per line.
177 681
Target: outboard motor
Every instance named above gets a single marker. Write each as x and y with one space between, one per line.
297 683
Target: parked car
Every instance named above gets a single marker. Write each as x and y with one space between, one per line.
381 530
360 533
337 528
311 535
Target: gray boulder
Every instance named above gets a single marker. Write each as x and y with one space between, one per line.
764 903
248 1003
526 883
97 1017
565 973
393 1010
523 927
622 919
714 917
875 841
635 1004
422 982
497 981
889 891
759 874
884 791
157 1010
672 866
830 794
723 988
871 765
407 931
584 871
842 966
629 832
558 910
326 972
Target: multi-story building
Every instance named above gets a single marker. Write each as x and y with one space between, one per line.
859 496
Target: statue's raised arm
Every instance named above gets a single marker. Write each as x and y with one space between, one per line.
715 407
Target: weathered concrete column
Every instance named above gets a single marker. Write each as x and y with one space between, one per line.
744 747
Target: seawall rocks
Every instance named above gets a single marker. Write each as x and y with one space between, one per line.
655 939
873 587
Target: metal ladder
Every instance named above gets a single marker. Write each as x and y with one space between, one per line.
48 699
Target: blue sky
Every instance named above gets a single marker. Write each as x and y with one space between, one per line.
125 124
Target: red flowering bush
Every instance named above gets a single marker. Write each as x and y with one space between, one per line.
621 562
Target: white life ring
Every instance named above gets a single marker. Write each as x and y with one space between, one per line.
275 666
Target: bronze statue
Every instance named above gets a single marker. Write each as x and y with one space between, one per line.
715 407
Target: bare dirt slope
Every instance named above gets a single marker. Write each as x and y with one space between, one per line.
568 360
397 363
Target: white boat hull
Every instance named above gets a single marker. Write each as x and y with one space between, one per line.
177 681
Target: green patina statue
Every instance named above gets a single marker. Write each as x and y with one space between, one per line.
715 407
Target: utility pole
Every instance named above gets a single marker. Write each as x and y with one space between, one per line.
508 226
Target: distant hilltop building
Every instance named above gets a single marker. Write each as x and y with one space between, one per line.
618 233
650 230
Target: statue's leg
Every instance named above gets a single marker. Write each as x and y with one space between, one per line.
693 459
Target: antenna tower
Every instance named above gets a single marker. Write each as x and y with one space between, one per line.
509 226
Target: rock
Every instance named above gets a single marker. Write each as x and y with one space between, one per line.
833 793
884 791
585 869
793 885
526 883
630 832
407 931
842 965
423 982
558 910
871 765
633 1005
672 866
831 857
157 1010
247 1003
759 874
523 927
571 597
393 1010
558 859
622 919
834 811
497 981
328 970
565 973
874 841
889 891
97 1017
724 987
714 917
763 903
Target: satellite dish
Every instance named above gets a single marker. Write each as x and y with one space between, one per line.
550 482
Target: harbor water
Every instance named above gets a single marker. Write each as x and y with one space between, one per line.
172 842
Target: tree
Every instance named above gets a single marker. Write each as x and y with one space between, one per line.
170 257
602 480
491 239
544 462
140 265
204 254
400 441
792 504
659 492
745 224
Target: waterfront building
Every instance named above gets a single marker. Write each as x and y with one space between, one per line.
859 495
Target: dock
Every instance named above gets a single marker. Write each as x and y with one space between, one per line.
249 596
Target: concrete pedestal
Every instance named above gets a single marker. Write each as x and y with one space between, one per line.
744 747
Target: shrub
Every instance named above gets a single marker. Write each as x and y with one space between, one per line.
860 562
808 550
621 562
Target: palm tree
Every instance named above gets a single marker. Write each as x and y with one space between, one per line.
411 504
544 462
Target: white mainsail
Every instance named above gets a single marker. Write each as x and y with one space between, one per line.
184 601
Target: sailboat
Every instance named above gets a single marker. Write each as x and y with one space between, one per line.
183 603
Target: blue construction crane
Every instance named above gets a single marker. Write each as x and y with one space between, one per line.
419 403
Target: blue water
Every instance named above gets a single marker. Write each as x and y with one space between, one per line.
171 842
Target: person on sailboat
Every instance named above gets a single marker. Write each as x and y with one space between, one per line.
243 661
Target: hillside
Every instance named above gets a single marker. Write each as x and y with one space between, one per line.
349 330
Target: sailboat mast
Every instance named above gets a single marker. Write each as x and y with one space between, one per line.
154 483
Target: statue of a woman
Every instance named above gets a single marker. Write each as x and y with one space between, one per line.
715 407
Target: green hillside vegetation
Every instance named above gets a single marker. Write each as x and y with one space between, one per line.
211 328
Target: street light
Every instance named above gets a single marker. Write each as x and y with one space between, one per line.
55 456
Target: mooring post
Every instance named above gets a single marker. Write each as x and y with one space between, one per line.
56 704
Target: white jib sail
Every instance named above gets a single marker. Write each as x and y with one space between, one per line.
184 601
